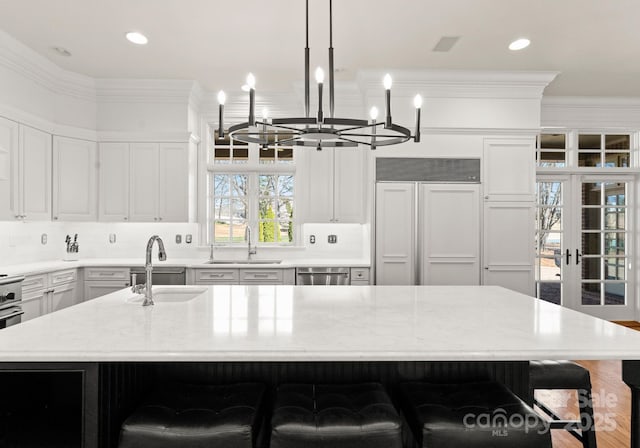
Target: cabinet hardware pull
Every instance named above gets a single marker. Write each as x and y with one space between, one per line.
578 255
568 254
105 274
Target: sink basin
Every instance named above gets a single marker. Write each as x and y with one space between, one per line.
175 294
243 262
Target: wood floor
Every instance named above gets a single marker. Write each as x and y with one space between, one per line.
612 404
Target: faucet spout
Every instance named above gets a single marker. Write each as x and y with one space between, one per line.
162 255
247 238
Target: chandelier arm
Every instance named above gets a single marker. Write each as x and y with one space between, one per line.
347 122
289 121
341 135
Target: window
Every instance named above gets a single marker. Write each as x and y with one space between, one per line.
552 150
604 150
252 187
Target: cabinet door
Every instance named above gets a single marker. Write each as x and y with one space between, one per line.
509 245
113 172
449 234
509 169
9 147
35 184
349 194
33 304
74 179
93 289
319 185
395 234
143 182
62 297
173 188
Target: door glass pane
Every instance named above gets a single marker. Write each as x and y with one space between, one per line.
591 218
550 292
589 141
615 268
591 293
591 243
591 268
549 241
616 159
614 141
589 159
614 219
615 294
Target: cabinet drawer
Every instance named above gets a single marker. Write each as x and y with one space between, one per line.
34 282
261 275
224 276
62 277
106 274
359 274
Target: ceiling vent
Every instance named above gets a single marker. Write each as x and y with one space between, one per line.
446 43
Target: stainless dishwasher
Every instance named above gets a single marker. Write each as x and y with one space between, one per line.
161 275
323 276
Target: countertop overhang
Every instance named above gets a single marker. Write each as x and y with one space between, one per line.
316 323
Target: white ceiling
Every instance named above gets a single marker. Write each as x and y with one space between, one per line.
594 44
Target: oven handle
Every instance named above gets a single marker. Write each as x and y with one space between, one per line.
343 274
9 316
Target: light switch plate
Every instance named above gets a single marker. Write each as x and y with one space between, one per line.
333 239
187 238
178 239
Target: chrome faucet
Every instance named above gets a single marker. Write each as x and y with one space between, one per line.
247 238
162 255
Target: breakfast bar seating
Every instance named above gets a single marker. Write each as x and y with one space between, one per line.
196 416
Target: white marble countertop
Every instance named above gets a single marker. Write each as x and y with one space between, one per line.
312 323
54 265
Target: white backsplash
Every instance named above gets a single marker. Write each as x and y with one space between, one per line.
20 242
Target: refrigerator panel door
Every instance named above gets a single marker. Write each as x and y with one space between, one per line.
449 234
395 234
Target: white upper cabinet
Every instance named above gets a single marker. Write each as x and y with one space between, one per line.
335 185
9 149
173 189
114 182
74 179
34 175
159 182
143 182
509 169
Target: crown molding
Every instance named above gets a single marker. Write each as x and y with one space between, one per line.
460 83
171 91
145 137
24 61
591 112
27 119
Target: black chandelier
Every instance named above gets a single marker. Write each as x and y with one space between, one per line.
320 131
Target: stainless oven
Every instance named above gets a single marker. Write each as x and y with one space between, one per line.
162 275
10 301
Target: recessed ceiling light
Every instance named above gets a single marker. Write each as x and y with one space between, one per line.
519 44
62 51
137 38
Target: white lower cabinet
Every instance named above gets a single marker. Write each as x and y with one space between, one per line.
360 277
46 293
247 276
102 281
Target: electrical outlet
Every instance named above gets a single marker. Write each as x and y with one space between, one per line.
112 238
187 238
43 238
312 239
178 239
333 239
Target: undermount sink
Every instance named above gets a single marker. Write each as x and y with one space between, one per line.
243 262
175 294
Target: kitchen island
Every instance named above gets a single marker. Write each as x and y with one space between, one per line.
303 333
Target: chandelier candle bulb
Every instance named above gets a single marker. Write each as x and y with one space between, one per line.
251 82
221 100
320 80
387 81
417 102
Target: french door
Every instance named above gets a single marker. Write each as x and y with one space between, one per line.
584 244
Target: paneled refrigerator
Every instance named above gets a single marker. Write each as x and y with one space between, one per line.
428 233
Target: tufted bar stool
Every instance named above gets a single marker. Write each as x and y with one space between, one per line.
196 416
565 375
334 416
471 415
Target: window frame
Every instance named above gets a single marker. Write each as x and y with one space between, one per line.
252 168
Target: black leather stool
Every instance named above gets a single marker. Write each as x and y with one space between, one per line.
335 416
196 416
551 375
471 415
